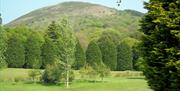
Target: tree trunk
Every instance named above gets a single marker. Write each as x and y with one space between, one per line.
67 78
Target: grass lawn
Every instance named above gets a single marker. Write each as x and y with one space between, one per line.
109 84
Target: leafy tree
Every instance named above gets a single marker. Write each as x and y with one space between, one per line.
2 48
15 53
109 52
80 57
93 55
66 45
124 57
161 44
33 50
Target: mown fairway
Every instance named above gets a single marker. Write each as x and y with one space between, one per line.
112 83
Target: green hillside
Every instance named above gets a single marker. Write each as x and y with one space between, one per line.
88 20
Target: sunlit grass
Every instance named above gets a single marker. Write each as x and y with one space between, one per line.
111 83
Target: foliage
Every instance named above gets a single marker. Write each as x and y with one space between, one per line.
93 55
80 57
87 72
49 48
161 44
109 52
53 73
66 45
33 50
124 57
34 74
2 48
103 71
114 35
15 53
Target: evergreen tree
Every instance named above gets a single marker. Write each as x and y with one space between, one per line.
93 55
109 52
80 57
124 57
33 50
49 52
2 48
15 54
49 48
161 44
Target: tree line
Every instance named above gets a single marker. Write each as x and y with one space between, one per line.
26 48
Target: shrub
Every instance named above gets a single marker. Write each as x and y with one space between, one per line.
52 74
34 74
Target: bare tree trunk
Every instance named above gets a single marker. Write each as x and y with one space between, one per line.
67 78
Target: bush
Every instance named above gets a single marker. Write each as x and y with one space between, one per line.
103 71
34 74
18 79
56 73
52 74
87 72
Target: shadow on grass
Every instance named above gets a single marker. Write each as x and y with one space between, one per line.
88 81
142 78
45 84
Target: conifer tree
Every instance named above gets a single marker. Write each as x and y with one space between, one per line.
93 55
33 50
15 53
80 57
161 44
2 48
124 57
109 52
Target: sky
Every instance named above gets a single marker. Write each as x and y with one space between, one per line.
12 9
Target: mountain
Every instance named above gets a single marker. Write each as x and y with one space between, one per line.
88 20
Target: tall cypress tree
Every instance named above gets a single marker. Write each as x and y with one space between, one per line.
161 44
2 48
15 53
49 52
124 57
33 50
93 55
80 57
49 48
109 52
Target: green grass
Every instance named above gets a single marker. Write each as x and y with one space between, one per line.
135 83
